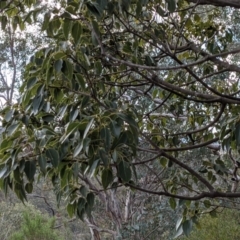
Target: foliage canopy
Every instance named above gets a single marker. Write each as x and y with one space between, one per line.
122 85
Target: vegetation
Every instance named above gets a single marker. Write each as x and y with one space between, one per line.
35 227
25 222
125 110
225 226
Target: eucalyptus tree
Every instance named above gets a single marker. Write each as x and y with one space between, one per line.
126 86
17 42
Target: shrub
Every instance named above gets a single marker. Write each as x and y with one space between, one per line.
36 226
225 226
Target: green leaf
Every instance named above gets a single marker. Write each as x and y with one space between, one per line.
81 203
163 161
171 5
71 209
207 203
36 104
187 227
73 114
85 101
29 187
160 11
178 224
95 9
9 115
72 127
53 156
59 55
83 191
106 137
4 170
31 82
107 177
12 128
128 119
18 189
58 96
48 118
115 128
98 68
46 21
103 156
4 21
124 171
93 167
178 233
90 123
96 28
25 120
30 169
76 32
80 80
78 149
123 138
237 134
90 199
58 65
172 203
67 26
42 163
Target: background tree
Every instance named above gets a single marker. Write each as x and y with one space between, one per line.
121 88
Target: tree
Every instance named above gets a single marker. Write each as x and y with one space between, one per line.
124 87
16 44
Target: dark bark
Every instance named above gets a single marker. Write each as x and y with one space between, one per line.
218 3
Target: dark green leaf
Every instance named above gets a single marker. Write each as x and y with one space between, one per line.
29 187
4 22
171 5
83 191
81 203
237 134
42 163
53 156
103 156
31 81
115 128
58 65
25 120
128 119
67 26
95 9
12 128
48 118
107 177
36 104
90 199
124 171
76 32
30 169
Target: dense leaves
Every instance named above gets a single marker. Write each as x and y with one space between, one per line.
125 84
